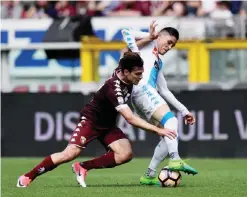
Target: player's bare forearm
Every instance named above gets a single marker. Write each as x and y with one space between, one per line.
137 39
138 122
149 38
152 36
140 43
143 42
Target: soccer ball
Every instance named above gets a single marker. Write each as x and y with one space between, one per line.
169 178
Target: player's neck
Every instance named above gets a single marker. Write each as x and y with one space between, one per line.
122 77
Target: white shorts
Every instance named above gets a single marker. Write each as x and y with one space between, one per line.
145 100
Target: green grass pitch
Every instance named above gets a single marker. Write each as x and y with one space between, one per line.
216 178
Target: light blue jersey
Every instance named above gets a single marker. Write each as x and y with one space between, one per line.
145 96
152 65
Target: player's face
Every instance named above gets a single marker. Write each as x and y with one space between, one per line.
165 42
134 76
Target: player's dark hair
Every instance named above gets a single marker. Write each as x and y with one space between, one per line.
130 60
171 31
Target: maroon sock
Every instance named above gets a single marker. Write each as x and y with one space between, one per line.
105 161
45 166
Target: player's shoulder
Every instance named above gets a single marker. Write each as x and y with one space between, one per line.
113 82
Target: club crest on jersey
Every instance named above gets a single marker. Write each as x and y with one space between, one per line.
120 100
155 51
83 139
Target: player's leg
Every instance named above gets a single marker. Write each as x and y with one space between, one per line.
83 134
156 110
168 120
119 152
144 101
69 153
48 164
160 152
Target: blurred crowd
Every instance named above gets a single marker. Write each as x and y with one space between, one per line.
56 9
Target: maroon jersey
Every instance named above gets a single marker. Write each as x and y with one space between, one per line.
103 109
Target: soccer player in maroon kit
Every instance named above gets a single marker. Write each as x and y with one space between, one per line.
98 121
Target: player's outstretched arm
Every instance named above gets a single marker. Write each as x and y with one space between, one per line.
168 96
138 122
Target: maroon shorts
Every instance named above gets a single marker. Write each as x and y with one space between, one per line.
84 133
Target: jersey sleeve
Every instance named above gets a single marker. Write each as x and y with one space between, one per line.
115 95
167 95
130 40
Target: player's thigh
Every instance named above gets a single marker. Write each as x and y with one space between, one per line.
147 101
83 134
159 113
121 147
116 141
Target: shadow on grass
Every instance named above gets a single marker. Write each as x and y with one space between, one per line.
118 185
132 185
104 185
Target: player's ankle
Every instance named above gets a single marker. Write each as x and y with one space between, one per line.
150 173
174 156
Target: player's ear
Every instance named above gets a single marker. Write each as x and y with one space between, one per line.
126 72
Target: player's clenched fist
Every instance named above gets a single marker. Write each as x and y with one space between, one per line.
189 119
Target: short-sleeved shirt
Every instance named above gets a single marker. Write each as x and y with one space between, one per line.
102 111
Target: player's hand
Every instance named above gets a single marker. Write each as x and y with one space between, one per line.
171 134
152 32
189 119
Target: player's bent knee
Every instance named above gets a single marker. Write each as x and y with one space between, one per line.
124 157
173 122
122 150
169 121
167 117
127 156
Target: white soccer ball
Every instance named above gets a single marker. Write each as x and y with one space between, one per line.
169 178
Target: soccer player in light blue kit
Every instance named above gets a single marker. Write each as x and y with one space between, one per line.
150 95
